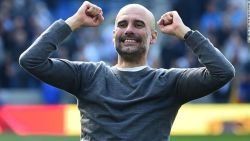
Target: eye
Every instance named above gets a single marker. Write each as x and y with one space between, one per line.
122 24
139 24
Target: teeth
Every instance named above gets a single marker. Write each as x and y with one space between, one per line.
130 41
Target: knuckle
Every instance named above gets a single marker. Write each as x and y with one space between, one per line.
86 2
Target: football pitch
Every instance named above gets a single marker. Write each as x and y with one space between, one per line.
12 137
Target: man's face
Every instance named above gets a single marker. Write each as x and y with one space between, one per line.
132 34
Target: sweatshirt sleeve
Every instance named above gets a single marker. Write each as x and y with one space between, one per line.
57 72
194 83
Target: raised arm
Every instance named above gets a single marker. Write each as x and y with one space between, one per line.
197 82
61 73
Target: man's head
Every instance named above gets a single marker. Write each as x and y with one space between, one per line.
134 32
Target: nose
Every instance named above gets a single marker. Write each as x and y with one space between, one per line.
129 29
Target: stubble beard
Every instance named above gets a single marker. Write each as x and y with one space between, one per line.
130 53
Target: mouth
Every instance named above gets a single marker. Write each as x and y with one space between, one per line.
129 41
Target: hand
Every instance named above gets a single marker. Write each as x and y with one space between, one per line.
171 23
88 15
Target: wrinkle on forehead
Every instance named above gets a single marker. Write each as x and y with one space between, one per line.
130 8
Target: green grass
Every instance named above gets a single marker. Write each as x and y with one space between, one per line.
211 138
12 137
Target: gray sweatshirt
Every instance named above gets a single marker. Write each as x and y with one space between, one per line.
126 106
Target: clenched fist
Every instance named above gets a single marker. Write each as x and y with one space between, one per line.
87 15
171 23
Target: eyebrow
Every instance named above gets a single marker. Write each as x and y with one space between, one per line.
121 21
140 21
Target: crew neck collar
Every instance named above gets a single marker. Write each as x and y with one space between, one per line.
131 69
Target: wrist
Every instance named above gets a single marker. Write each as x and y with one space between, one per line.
72 23
182 32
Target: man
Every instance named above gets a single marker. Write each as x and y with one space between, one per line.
129 101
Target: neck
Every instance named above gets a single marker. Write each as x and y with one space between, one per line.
122 63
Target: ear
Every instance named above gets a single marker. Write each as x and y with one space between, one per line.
113 36
153 37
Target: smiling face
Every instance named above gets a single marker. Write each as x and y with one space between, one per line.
134 32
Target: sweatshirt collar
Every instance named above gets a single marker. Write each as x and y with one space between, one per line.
133 69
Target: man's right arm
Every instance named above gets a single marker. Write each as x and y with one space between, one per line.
58 72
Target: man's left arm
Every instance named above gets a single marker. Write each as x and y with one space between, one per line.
194 83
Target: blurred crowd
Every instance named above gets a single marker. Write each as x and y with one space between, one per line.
224 22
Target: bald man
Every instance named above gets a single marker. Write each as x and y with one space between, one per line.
129 101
